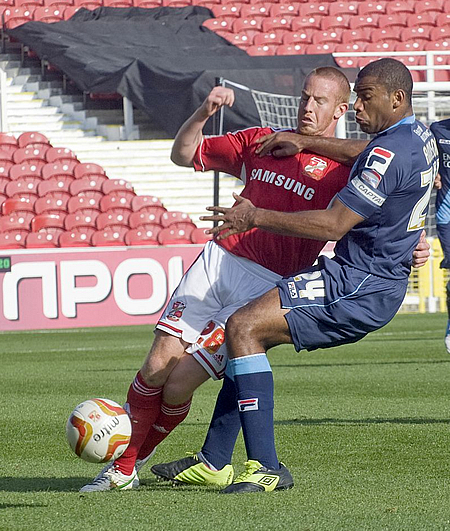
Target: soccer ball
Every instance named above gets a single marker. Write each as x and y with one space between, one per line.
98 430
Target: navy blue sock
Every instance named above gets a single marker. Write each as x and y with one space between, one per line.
254 384
224 428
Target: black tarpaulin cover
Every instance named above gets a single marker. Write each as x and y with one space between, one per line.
162 59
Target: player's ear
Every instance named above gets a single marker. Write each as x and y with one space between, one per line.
398 98
340 110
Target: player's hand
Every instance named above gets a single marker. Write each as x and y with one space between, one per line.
421 252
238 218
437 182
281 144
217 98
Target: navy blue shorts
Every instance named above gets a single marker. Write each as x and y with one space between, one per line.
333 304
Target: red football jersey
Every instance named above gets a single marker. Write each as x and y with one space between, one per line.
305 181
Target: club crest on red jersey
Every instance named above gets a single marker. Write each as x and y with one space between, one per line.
177 311
316 168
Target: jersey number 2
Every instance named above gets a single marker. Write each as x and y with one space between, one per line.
418 214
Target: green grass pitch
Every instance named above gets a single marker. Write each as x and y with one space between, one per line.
364 429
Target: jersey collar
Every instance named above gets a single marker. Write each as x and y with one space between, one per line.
407 120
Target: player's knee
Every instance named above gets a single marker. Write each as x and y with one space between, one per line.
160 362
238 329
176 392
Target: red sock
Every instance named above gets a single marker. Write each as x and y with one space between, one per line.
144 404
168 419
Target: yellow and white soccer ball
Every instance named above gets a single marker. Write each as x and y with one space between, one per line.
98 430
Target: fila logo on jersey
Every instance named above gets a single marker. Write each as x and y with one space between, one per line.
379 160
250 404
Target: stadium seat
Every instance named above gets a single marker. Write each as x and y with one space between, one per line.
286 8
33 139
365 22
116 200
415 34
76 238
60 3
214 24
17 16
360 35
175 216
114 217
333 23
308 9
149 3
3 198
49 14
422 19
110 236
117 185
42 240
400 6
118 3
8 142
28 3
16 221
434 7
6 157
141 201
252 10
187 227
170 236
372 8
82 202
82 218
88 183
24 187
198 236
274 23
19 171
226 10
70 11
53 203
60 154
442 32
248 23
346 62
299 37
13 239
389 35
415 45
326 37
17 204
272 37
88 4
306 23
4 180
392 20
59 169
242 39
343 8
142 236
48 220
262 49
313 49
32 155
55 184
4 169
146 215
88 168
291 49
176 3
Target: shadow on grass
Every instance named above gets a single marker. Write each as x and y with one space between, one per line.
359 422
358 363
20 484
21 505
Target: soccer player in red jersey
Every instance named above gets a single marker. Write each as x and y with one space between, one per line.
189 345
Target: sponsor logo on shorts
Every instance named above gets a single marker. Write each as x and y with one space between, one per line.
379 160
316 168
367 192
250 404
292 290
177 310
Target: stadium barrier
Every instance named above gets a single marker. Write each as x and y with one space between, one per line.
87 287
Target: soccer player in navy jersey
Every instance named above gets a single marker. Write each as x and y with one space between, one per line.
441 131
376 220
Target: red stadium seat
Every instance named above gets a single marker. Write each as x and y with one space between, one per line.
59 169
372 8
388 36
24 187
76 238
55 184
392 20
117 185
198 236
88 4
248 23
82 202
313 49
4 169
49 14
17 16
4 181
422 19
242 39
365 22
116 200
434 7
52 203
13 239
17 204
146 215
170 236
8 142
42 240
175 216
31 155
88 183
346 62
415 45
272 37
287 8
16 221
28 3
187 227
252 10
291 49
118 3
415 34
356 35
226 10
33 139
149 3
6 157
442 32
110 236
82 218
331 36
306 23
141 201
46 220
299 37
88 168
308 9
214 24
333 23
343 8
262 49
113 218
176 3
400 6
27 169
142 236
60 154
274 23
70 11
60 3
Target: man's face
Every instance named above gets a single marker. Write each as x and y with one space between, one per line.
318 105
373 105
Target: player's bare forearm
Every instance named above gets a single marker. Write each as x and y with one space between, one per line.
325 225
285 144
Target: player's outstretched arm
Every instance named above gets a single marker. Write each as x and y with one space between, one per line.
326 225
190 134
285 144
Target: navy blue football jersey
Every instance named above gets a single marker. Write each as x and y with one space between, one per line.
390 186
441 131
